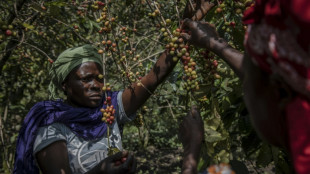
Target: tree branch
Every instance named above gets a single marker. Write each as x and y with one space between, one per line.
197 10
12 43
18 5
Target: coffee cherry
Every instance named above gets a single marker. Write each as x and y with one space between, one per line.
100 3
112 118
8 32
108 98
215 63
108 113
168 21
233 24
239 11
51 61
217 76
100 76
219 10
100 51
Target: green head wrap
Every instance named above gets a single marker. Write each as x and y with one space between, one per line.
66 62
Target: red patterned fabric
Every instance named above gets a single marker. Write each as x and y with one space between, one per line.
278 40
277 12
298 124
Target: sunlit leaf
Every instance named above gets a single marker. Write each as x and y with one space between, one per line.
31 27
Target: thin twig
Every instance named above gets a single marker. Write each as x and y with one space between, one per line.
85 40
170 108
22 39
191 4
134 65
37 49
144 35
2 138
178 13
218 2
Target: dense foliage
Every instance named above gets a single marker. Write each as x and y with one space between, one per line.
130 35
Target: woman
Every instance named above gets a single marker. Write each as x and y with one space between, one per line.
68 136
275 71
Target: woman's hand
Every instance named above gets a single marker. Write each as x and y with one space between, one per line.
191 134
204 35
191 129
119 163
201 34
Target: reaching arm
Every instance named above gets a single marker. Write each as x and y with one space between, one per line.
191 134
135 96
230 55
204 35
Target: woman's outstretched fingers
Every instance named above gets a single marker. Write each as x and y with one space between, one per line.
119 155
130 163
188 23
186 27
186 36
194 112
191 128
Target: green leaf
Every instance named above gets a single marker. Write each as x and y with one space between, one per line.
208 149
30 27
54 11
203 90
56 3
223 156
37 7
112 151
212 135
93 24
224 85
238 37
213 123
264 156
129 2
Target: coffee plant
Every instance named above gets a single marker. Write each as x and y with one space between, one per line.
130 35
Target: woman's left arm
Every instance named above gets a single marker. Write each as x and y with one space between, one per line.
135 96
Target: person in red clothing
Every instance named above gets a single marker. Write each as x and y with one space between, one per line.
275 70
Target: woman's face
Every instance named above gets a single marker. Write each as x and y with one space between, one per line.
83 86
263 100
